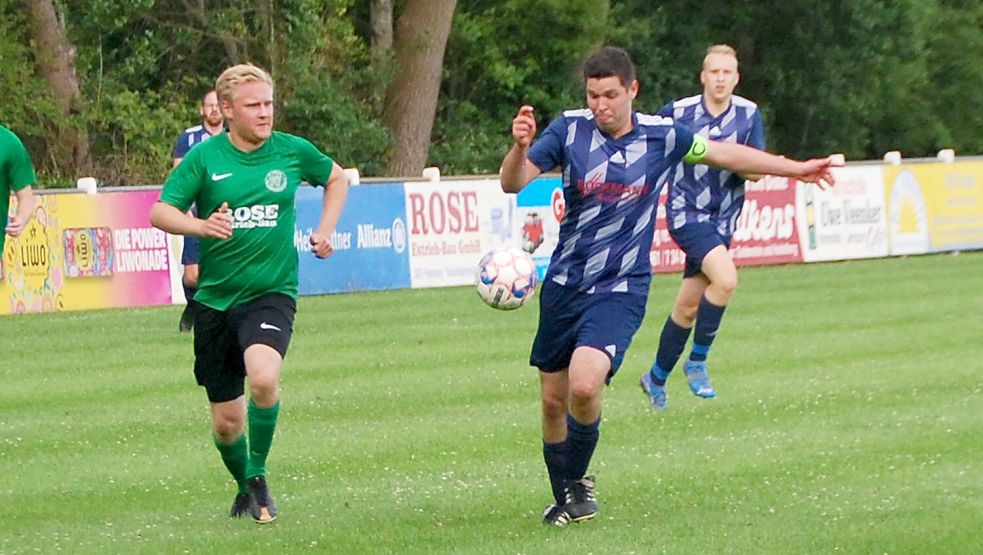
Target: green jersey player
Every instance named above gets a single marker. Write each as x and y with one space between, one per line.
17 176
243 183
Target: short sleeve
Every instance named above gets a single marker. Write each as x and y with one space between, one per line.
20 172
315 166
181 147
182 186
683 141
547 152
667 111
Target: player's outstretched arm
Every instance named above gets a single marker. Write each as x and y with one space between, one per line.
169 218
745 160
516 170
335 195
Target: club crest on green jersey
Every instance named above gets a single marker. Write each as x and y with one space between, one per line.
276 181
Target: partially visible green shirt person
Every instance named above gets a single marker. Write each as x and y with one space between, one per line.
243 183
16 176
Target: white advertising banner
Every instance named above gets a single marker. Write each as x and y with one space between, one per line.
451 225
846 221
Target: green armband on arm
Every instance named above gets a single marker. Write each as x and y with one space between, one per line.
697 150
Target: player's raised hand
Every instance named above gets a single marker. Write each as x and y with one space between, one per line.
818 171
524 126
321 244
219 223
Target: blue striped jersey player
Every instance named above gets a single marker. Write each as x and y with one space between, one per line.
614 163
211 125
701 193
701 212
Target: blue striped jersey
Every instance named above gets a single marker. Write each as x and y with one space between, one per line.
610 188
700 193
189 138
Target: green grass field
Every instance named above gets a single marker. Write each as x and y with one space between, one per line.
849 419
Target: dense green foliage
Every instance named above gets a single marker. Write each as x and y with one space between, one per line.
860 77
847 421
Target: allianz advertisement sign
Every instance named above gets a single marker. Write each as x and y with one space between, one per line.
370 242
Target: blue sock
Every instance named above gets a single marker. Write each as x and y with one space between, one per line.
556 455
672 342
582 439
707 323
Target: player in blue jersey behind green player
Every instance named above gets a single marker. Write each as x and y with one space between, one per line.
211 125
614 162
243 183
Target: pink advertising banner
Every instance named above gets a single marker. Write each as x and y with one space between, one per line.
84 251
765 234
766 231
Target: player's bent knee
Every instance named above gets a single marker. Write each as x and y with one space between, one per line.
584 390
725 286
264 392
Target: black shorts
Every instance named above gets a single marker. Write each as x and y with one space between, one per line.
221 338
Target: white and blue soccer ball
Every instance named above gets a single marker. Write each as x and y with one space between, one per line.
506 278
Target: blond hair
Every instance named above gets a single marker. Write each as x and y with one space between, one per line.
236 75
720 49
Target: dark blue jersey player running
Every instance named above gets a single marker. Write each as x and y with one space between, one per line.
614 163
701 213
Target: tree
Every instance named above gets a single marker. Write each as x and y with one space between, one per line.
55 61
25 106
954 48
381 15
844 77
502 54
441 86
411 99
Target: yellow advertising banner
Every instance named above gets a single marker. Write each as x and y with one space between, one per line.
85 251
934 206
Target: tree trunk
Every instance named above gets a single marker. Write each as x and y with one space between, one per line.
411 99
68 146
381 14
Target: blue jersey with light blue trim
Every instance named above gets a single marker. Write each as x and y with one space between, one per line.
700 193
189 138
611 188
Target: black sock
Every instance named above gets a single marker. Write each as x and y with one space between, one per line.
582 439
556 455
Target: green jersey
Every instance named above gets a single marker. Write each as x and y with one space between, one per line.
259 186
16 172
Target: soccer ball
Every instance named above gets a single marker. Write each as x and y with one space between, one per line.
506 278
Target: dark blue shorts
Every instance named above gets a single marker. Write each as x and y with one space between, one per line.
189 255
697 240
569 318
